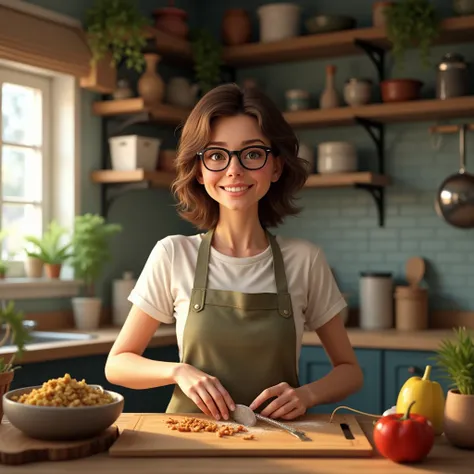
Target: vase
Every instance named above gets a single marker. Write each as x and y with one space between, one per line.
329 97
150 86
458 422
236 27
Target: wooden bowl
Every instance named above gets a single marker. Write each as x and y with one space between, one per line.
400 90
60 423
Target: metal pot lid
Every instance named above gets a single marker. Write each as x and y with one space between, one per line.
452 60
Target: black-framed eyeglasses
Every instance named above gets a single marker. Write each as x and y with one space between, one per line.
251 157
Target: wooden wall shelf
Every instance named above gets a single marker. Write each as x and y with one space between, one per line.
340 43
412 111
164 179
162 113
174 49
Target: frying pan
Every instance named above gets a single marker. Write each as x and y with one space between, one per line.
455 198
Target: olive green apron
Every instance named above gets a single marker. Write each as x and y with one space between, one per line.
246 340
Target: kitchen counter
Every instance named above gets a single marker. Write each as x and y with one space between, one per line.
443 458
104 338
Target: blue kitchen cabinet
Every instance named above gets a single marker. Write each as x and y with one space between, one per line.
400 365
91 368
315 364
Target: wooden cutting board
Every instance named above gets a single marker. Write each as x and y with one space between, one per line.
152 437
17 448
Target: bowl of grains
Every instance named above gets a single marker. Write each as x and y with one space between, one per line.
62 409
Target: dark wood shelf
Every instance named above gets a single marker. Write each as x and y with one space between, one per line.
330 45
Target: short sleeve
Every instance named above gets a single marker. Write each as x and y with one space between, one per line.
324 297
152 291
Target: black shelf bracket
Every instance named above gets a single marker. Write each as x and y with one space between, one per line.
376 131
375 53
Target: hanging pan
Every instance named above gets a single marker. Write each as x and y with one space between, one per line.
455 197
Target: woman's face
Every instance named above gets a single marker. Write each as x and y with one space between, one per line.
237 188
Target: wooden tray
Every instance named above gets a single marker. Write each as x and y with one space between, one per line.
17 448
151 437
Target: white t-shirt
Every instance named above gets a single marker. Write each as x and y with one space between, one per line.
165 283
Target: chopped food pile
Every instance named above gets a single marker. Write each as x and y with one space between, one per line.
191 424
65 392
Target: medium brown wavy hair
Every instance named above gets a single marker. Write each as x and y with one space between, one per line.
194 203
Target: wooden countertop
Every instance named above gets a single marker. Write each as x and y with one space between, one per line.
104 338
443 459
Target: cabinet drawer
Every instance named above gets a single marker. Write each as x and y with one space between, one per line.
399 366
315 364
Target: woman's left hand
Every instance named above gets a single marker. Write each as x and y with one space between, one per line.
289 403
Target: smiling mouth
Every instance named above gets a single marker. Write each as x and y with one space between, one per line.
236 189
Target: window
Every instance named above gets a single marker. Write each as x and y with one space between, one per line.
24 161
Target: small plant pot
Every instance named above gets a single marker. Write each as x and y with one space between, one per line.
52 270
400 90
34 267
5 380
86 312
459 419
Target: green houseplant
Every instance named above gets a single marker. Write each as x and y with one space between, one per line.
117 28
91 251
409 24
49 249
3 263
12 331
207 59
456 360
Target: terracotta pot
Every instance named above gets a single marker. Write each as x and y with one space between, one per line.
172 20
400 90
5 380
459 419
236 27
150 85
52 270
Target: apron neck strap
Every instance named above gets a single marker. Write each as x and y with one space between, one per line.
202 265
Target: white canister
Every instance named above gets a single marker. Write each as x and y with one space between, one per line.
120 304
279 21
376 300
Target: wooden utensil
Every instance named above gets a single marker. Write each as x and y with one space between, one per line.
150 436
414 270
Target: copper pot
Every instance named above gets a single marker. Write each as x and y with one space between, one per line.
400 90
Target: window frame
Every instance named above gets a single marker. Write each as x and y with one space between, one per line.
44 84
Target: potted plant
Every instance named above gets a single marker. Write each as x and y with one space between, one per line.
409 24
456 359
207 59
91 252
33 263
116 29
50 250
11 330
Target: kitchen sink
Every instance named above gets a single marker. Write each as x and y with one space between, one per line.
48 337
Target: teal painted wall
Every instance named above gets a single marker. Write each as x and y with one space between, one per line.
344 221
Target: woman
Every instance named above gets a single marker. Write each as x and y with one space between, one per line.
240 297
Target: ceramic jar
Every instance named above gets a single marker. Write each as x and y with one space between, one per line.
378 13
236 28
151 87
297 99
357 91
172 20
336 157
452 77
278 21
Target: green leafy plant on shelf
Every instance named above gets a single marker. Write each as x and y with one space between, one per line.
49 248
116 27
91 249
4 264
456 359
412 24
207 59
12 329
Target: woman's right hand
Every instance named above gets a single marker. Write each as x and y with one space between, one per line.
205 391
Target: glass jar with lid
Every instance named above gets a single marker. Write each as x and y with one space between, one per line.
452 76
